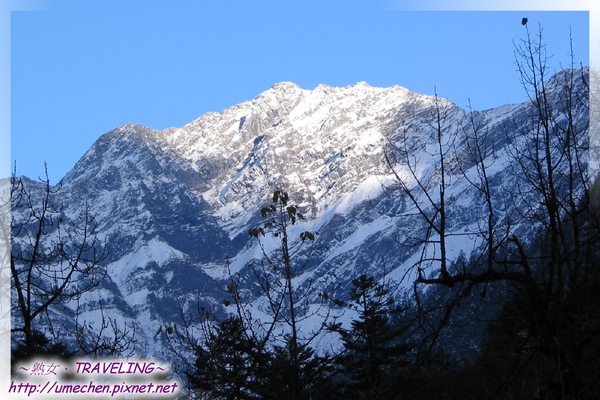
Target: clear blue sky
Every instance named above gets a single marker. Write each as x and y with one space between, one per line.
82 68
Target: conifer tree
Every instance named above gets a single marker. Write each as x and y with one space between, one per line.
227 363
373 346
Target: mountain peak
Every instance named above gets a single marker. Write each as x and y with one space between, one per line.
284 86
362 84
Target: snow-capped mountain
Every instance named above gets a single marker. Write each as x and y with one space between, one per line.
174 207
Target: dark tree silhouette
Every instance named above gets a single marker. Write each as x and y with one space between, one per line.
53 260
227 363
374 346
549 191
274 358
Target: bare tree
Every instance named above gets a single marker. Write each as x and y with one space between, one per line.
549 151
106 337
53 261
288 304
272 354
548 192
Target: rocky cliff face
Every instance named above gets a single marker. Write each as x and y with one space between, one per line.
174 206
